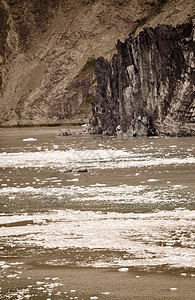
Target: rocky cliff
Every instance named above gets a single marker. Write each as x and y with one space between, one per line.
148 88
48 50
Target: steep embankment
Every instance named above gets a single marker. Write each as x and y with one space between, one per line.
48 49
148 87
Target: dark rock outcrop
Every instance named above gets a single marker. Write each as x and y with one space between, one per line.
148 88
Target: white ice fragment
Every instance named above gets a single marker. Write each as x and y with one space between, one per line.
105 293
73 291
29 140
137 276
94 298
39 282
177 186
173 146
152 180
123 269
5 266
11 275
173 289
183 274
75 179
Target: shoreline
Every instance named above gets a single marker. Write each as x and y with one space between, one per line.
42 125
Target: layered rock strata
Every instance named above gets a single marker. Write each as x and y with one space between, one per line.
148 88
46 50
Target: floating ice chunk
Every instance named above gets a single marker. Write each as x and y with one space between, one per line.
177 186
105 293
98 184
11 275
183 274
152 180
173 289
75 179
73 291
39 282
5 266
123 269
173 146
94 298
57 180
29 140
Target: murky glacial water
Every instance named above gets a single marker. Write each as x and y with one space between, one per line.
132 209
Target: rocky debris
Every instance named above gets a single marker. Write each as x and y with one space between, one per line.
148 88
63 132
85 128
65 170
82 170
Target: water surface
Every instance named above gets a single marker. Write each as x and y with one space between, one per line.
133 208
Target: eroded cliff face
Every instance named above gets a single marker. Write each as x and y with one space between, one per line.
44 47
47 50
148 88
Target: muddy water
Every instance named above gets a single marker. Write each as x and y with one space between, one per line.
104 203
